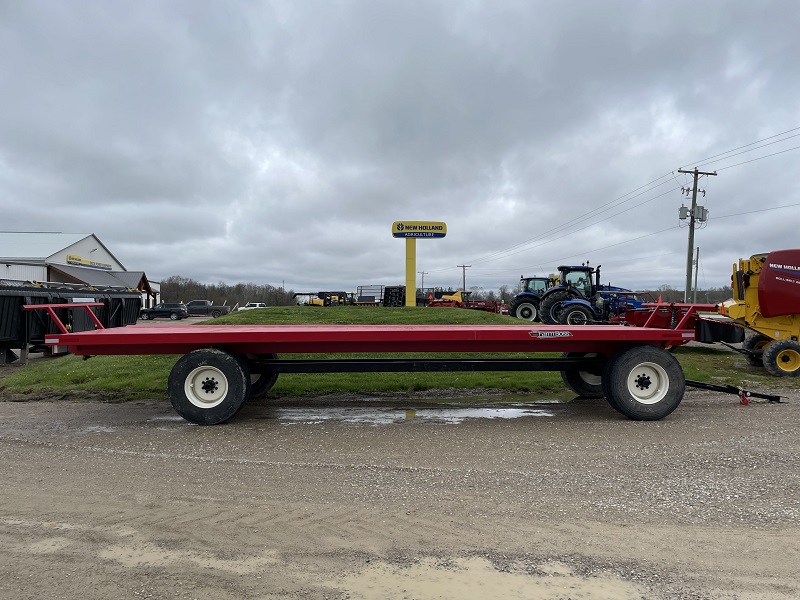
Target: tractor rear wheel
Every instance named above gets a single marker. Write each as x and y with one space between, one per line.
644 383
551 304
782 358
525 309
575 315
754 344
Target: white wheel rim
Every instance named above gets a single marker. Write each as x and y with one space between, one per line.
527 312
648 383
206 387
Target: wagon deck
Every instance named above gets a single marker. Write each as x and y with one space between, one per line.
223 366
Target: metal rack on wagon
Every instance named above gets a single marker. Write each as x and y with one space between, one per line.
223 366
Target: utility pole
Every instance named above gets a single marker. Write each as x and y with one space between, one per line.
696 271
464 275
692 219
422 287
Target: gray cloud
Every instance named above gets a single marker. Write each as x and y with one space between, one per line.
277 141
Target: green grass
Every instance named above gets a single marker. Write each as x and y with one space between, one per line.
134 377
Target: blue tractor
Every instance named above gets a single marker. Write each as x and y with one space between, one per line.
525 305
607 306
580 299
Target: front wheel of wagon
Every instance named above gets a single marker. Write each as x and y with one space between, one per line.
644 383
588 384
208 386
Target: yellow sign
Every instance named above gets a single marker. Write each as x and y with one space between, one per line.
73 259
419 229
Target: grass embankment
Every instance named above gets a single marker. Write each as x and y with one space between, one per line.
134 377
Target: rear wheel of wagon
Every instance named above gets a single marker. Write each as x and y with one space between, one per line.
644 383
262 379
587 384
208 386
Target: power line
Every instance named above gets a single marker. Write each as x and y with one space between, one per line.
759 158
696 162
646 188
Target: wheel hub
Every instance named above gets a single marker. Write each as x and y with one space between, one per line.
209 385
643 382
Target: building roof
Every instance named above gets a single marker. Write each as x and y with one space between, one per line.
126 279
36 245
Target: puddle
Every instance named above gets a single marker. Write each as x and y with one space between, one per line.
477 579
98 429
175 418
388 416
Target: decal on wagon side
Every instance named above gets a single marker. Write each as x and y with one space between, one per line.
536 333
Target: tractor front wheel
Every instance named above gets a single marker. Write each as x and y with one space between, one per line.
575 315
782 358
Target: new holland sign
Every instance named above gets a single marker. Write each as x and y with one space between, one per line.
419 229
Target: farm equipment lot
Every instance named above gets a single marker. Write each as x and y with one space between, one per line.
128 500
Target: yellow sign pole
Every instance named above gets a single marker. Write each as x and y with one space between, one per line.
411 230
411 271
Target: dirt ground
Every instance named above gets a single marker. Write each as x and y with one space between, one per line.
368 499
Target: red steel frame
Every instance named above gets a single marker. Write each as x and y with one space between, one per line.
307 339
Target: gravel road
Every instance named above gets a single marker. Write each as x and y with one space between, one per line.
379 499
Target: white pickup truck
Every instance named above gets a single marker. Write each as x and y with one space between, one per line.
252 305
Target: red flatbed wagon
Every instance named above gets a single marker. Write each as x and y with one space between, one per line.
225 365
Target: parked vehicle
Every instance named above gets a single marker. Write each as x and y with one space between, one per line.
525 305
463 299
320 298
605 307
165 310
253 305
576 283
207 308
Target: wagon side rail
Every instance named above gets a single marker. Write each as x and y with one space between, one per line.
51 310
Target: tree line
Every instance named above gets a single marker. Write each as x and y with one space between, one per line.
184 289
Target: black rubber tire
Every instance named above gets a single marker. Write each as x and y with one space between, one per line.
216 313
262 383
644 383
208 386
575 315
756 342
144 317
551 304
174 316
584 383
525 309
782 358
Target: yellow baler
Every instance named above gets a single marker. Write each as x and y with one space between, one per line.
766 299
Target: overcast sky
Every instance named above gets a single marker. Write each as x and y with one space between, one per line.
276 142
